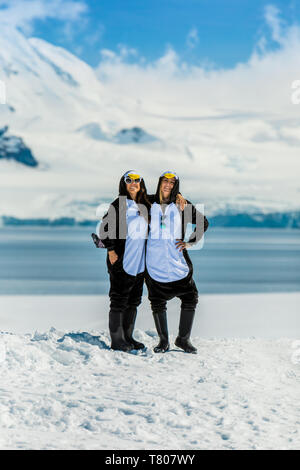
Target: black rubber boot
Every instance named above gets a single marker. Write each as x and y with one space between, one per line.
185 326
161 324
118 341
128 325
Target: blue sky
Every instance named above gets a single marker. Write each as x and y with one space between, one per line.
217 32
213 31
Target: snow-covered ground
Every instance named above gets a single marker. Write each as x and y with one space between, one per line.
63 388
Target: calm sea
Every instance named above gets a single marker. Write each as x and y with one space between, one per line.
65 261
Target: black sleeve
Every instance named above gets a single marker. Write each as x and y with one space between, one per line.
105 232
109 232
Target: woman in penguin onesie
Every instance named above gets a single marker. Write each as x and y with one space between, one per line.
123 232
169 269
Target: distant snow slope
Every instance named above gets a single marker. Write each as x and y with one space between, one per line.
51 95
262 315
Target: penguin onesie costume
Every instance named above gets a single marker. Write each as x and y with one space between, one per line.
124 230
169 271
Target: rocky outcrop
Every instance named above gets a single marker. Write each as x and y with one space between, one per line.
133 135
93 130
13 148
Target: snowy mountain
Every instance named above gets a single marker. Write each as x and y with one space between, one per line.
84 136
136 134
124 136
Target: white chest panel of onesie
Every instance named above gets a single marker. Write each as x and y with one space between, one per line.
165 263
137 227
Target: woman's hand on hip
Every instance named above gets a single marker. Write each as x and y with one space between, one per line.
113 257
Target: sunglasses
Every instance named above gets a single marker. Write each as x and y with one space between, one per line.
130 180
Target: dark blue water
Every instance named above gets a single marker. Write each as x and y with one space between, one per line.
65 261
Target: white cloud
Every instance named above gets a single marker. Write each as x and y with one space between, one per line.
260 84
272 17
95 36
108 55
192 38
126 52
22 13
